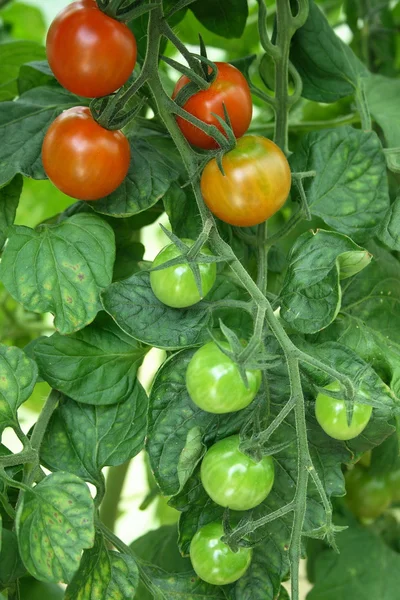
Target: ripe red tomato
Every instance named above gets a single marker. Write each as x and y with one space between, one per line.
90 54
255 186
83 159
229 88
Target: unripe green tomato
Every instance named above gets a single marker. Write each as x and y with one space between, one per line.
214 383
176 286
367 495
213 560
331 415
231 478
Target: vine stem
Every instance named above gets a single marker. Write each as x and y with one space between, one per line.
114 484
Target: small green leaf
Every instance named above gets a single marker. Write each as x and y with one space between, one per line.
23 124
328 67
350 189
191 455
175 586
11 567
83 439
9 198
13 55
311 293
154 166
18 375
60 268
104 574
224 17
55 522
96 365
34 74
389 232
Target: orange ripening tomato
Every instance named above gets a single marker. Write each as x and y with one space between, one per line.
83 159
255 186
90 54
229 88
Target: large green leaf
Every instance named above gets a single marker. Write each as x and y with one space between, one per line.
18 375
30 589
60 268
154 166
224 17
83 439
328 67
96 365
365 568
34 74
13 55
311 293
9 198
11 567
104 574
133 306
350 189
23 124
55 522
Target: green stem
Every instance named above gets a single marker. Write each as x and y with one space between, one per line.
114 485
27 456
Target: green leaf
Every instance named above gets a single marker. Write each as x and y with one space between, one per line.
26 21
55 522
104 574
383 101
60 268
96 365
181 208
224 17
11 567
9 198
172 415
13 55
328 67
136 310
191 455
176 586
311 293
365 568
36 590
23 124
18 375
350 189
389 232
154 166
34 74
83 439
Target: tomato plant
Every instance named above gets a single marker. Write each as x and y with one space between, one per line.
332 415
233 479
214 381
213 560
254 185
182 275
176 286
229 88
90 53
83 159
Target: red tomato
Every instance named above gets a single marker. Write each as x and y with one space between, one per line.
83 159
90 54
229 88
255 186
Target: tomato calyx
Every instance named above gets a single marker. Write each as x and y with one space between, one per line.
114 9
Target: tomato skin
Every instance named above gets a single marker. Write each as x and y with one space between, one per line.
255 186
367 495
331 415
90 54
81 158
213 560
230 88
233 479
176 286
214 383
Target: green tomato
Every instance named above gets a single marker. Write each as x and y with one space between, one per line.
214 561
233 479
331 415
367 495
176 286
214 383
